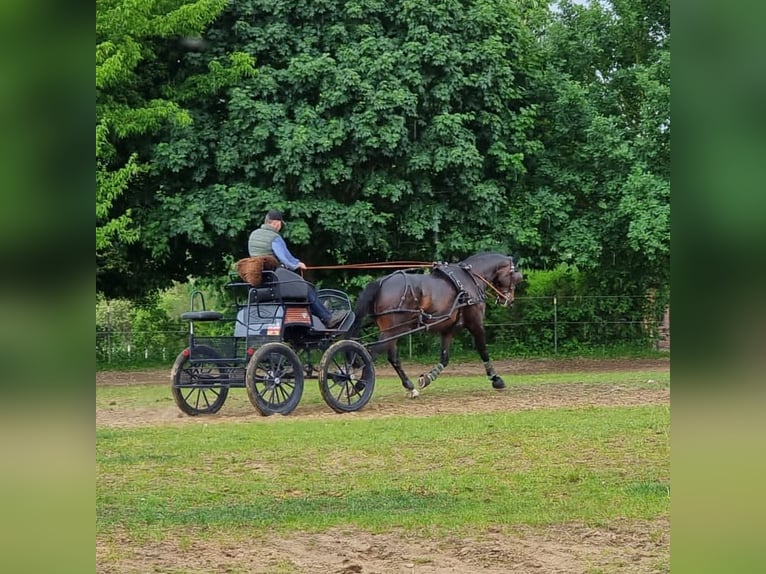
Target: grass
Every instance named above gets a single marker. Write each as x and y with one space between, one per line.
501 351
438 473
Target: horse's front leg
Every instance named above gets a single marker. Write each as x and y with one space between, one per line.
427 378
481 346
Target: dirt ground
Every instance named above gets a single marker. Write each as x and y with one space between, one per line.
483 400
511 367
623 546
634 547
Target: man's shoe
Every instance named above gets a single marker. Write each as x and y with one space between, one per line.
336 318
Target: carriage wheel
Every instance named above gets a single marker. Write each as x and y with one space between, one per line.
346 376
197 387
274 379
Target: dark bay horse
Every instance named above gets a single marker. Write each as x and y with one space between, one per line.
451 297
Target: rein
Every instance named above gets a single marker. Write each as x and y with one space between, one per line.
405 264
381 265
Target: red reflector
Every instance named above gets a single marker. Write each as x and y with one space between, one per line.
250 351
186 352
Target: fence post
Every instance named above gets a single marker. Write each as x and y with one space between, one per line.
108 333
555 326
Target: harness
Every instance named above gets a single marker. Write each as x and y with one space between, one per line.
473 293
469 292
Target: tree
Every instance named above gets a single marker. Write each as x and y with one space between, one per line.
409 130
598 194
133 103
381 129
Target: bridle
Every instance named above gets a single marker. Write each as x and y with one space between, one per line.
503 297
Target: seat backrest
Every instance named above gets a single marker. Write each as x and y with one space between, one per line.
262 294
281 285
290 286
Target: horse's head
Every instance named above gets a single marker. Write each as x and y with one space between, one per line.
499 272
505 279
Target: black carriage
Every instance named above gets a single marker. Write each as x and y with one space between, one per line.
269 348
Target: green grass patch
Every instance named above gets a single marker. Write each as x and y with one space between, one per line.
441 473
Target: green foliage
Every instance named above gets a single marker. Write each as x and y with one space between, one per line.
375 126
404 130
598 194
562 281
133 43
129 333
556 311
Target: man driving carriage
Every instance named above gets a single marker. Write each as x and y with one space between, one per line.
266 240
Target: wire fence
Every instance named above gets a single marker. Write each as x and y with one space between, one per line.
534 326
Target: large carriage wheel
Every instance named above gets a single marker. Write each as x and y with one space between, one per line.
197 387
346 376
274 379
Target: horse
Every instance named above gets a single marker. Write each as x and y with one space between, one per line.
449 298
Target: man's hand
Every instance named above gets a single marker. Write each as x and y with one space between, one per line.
301 265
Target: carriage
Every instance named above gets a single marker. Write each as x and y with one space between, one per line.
275 337
270 349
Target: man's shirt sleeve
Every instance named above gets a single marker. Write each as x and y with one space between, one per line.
283 254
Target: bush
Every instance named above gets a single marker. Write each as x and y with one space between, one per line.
556 312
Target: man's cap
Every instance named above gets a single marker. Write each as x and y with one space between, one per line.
275 215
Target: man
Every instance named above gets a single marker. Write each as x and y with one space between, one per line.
266 240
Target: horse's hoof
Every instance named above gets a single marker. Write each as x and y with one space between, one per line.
498 383
413 394
423 381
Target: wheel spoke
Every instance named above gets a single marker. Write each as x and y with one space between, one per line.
281 390
271 392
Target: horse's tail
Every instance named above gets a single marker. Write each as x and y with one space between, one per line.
364 307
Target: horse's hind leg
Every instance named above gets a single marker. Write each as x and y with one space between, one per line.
393 358
427 378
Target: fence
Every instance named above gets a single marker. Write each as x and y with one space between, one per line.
136 347
534 326
553 325
560 323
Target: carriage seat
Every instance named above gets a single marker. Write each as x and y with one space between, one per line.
281 285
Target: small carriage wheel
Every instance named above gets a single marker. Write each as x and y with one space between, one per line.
346 376
196 382
274 379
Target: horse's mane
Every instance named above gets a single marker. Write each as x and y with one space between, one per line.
484 255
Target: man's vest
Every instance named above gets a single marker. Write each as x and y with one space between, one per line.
260 241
